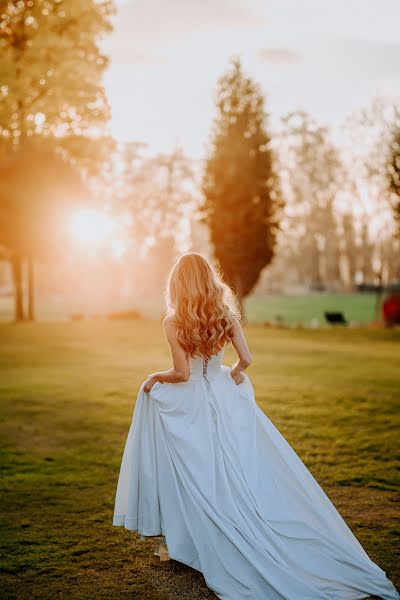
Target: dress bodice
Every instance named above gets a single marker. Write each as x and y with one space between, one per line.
201 367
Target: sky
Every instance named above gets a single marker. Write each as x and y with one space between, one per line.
328 58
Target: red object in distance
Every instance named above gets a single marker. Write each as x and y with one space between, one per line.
391 310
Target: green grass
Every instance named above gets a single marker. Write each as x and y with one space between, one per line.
302 309
67 393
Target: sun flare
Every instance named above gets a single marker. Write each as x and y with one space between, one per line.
91 226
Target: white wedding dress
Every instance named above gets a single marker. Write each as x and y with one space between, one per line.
206 468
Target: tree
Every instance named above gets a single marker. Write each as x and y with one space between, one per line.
371 148
158 192
51 92
38 193
393 171
239 183
350 249
311 174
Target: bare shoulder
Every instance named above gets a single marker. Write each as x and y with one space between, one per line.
169 326
167 321
170 331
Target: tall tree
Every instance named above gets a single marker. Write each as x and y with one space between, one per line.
240 187
51 91
394 175
369 134
312 175
350 250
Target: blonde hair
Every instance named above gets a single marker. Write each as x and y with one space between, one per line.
201 306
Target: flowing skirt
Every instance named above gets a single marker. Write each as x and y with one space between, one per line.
206 468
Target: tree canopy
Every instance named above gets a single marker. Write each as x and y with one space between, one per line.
239 185
394 175
51 67
52 101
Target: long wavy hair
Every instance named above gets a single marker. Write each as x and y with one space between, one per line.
202 307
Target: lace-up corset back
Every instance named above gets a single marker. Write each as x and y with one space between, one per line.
204 368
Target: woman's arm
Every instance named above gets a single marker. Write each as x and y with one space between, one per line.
180 370
243 352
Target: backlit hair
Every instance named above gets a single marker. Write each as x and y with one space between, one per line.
201 306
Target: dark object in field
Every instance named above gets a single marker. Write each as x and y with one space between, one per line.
335 318
391 310
125 314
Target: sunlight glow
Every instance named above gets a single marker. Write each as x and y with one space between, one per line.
118 248
91 226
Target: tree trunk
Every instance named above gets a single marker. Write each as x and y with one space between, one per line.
378 299
16 263
31 289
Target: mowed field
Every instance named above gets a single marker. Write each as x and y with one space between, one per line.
67 394
302 309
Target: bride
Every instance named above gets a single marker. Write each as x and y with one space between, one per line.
208 473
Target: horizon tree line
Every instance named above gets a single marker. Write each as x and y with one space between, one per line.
264 196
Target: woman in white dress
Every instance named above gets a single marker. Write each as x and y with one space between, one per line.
206 469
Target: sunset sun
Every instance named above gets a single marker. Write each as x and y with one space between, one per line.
91 226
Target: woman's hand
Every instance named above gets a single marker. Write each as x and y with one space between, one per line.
237 376
148 384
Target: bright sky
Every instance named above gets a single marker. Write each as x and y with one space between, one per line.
166 56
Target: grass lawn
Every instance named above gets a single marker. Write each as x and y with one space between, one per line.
67 394
302 309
